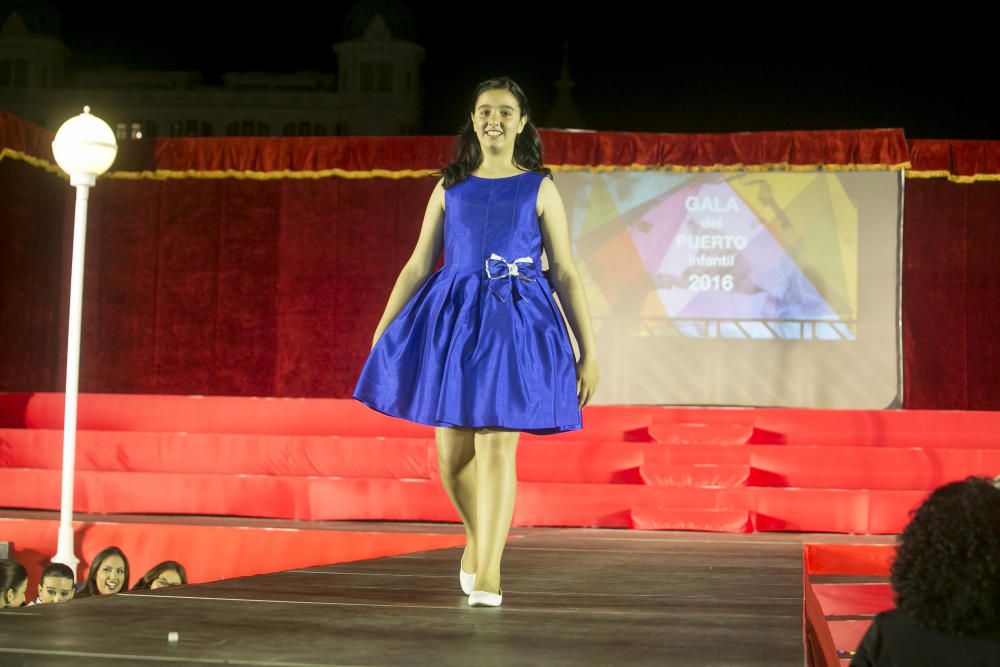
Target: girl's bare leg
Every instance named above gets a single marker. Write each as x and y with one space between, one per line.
457 464
496 466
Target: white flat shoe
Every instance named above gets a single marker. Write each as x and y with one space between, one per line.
485 599
467 580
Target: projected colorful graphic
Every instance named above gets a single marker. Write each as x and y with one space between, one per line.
734 255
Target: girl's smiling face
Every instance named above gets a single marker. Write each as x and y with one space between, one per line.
497 119
111 576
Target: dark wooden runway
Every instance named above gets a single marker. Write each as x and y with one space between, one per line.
571 597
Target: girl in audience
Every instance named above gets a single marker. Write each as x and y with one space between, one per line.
13 583
167 573
56 585
108 574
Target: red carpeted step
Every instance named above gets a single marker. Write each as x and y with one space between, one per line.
845 428
695 454
867 467
231 495
821 470
291 455
220 453
679 433
537 504
647 517
299 416
849 559
703 475
308 498
315 498
836 467
854 599
865 511
538 459
271 415
580 461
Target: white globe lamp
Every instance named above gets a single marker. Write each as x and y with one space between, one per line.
85 148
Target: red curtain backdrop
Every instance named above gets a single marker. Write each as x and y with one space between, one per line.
951 245
260 267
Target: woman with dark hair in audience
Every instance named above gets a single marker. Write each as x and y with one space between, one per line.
108 574
13 583
946 580
167 573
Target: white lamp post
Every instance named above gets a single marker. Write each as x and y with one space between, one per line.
84 148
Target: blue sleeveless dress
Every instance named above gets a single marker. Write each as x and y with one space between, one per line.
482 342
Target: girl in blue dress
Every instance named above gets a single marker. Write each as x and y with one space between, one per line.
478 348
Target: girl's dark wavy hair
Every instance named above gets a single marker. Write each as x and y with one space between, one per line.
946 574
468 153
56 570
147 579
90 585
12 575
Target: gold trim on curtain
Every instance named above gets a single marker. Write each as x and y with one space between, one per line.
167 174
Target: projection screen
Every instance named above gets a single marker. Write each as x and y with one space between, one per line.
741 288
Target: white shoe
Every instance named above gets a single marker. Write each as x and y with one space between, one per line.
485 599
467 580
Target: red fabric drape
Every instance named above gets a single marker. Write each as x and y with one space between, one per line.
833 148
17 134
607 149
958 160
33 215
300 154
951 333
240 287
272 283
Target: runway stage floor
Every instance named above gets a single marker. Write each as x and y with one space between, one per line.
571 597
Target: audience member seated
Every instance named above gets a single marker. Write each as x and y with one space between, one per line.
108 574
56 585
13 583
946 582
167 573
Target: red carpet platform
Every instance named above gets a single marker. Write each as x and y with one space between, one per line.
641 467
844 586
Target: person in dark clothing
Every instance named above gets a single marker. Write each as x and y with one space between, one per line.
946 581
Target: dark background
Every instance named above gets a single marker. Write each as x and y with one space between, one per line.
686 68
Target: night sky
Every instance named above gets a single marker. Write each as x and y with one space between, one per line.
701 68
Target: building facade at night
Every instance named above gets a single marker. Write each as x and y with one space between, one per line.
372 86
